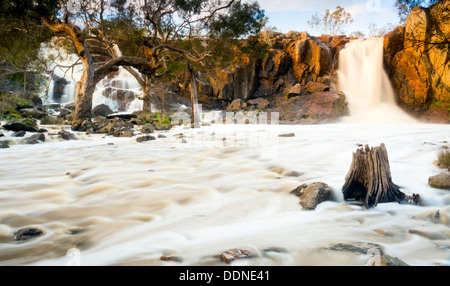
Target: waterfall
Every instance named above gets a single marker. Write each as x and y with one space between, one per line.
362 78
120 91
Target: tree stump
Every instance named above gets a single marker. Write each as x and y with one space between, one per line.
369 178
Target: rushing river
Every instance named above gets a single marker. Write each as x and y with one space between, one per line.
129 203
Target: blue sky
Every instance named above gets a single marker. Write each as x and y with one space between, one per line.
289 15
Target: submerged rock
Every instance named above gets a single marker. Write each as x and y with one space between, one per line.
171 258
441 181
18 134
234 254
35 138
145 138
4 144
27 233
66 135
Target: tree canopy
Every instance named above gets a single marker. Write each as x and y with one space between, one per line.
331 23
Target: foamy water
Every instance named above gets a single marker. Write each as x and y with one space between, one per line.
133 202
366 85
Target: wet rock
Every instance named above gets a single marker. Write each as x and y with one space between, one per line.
4 144
313 194
26 124
27 233
293 174
355 247
299 190
31 112
35 139
234 254
52 120
276 249
75 230
435 216
102 110
66 135
18 134
286 135
145 138
123 132
441 181
161 136
148 128
429 235
65 112
171 258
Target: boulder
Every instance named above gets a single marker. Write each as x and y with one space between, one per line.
26 124
66 135
18 134
441 181
4 144
34 139
27 233
314 87
64 112
145 138
323 106
236 104
31 112
294 91
102 110
259 103
313 194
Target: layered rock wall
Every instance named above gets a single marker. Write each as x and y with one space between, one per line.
417 61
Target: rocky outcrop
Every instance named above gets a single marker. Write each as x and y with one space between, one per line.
417 61
298 70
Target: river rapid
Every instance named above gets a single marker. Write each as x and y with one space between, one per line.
199 192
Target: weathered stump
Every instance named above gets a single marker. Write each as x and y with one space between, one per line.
369 178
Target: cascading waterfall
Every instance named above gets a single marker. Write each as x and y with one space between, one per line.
366 85
120 92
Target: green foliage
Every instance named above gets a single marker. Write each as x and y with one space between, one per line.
242 19
444 158
441 104
161 119
9 104
404 7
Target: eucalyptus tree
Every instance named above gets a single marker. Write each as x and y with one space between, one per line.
159 30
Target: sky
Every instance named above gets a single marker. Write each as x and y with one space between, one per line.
287 15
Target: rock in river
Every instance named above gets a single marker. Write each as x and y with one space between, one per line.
27 233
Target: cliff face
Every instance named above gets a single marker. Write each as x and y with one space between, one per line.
417 59
295 78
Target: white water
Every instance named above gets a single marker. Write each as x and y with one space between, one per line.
138 201
123 82
366 85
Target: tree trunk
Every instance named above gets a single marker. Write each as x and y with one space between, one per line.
369 178
147 106
195 122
